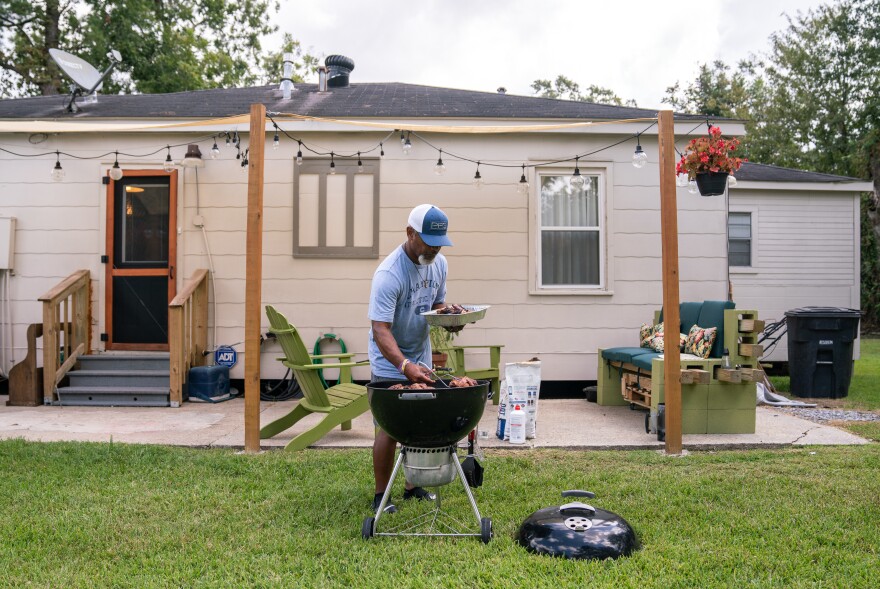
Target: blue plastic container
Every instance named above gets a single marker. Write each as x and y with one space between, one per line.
208 382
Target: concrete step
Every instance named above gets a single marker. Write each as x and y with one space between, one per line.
140 361
132 396
120 378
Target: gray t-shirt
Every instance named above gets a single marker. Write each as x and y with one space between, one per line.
400 291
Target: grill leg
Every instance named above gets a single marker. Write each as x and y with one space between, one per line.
387 493
467 488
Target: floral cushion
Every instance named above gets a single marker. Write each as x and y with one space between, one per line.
656 342
700 340
647 333
651 336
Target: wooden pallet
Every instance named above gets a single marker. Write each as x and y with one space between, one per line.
636 389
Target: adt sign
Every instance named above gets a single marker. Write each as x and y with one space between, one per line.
225 356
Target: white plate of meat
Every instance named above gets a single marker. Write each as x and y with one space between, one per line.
455 315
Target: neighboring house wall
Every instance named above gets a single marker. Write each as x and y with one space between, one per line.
805 252
61 227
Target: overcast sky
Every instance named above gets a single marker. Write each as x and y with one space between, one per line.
636 48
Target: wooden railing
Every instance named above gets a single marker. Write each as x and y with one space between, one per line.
187 331
66 325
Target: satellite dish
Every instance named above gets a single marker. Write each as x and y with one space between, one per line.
86 79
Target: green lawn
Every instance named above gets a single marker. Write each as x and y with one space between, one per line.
111 515
864 389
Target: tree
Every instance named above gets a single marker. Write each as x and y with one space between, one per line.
811 103
565 88
166 45
716 92
304 64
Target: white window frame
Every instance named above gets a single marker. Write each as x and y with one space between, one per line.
753 214
603 170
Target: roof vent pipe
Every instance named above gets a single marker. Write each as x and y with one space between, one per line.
322 78
339 67
286 78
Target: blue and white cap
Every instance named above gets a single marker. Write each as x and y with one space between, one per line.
431 224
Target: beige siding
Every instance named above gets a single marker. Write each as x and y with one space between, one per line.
805 253
61 228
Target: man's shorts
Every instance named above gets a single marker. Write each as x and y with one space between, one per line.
374 378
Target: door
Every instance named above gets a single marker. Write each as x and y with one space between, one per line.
141 253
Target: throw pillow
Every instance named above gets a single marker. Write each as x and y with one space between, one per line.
656 342
700 340
647 333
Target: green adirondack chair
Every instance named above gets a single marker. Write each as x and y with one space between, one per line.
340 403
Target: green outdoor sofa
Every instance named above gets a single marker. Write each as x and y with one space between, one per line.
714 400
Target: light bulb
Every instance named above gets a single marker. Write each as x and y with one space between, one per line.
116 171
332 167
681 180
478 180
440 167
407 146
692 186
299 158
276 143
228 140
215 151
639 158
381 150
168 166
731 181
522 186
58 172
402 138
576 181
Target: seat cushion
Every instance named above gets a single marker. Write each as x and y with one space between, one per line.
643 361
712 315
626 354
688 314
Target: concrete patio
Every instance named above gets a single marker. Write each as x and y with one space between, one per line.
562 423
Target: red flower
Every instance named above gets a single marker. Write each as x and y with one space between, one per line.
710 153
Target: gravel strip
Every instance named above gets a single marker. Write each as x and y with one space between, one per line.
823 415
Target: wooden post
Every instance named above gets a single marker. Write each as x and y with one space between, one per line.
254 279
669 238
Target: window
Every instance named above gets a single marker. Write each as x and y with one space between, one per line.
739 239
571 231
336 215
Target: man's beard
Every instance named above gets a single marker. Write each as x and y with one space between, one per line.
426 260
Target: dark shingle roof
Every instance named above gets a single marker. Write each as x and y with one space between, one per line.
753 172
393 100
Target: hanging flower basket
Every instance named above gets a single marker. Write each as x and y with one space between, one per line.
711 183
709 161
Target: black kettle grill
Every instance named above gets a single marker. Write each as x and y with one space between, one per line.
577 530
428 424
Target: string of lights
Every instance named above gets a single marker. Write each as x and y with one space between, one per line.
639 157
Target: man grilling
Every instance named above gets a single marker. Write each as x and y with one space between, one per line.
410 281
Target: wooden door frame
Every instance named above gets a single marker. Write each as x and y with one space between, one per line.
109 273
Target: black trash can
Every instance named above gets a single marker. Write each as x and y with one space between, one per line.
820 350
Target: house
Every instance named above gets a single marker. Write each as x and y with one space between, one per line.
566 271
794 242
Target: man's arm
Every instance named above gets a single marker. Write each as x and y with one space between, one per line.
389 348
